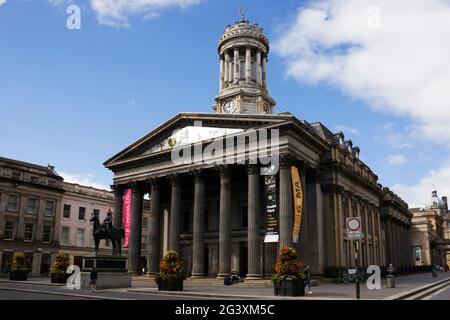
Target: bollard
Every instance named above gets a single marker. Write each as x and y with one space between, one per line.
434 272
390 282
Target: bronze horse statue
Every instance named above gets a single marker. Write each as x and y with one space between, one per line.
101 232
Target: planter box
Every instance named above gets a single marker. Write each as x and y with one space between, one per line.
290 288
18 275
171 285
58 278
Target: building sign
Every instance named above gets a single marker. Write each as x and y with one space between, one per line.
127 195
270 194
354 231
298 202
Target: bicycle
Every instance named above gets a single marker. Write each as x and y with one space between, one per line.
350 277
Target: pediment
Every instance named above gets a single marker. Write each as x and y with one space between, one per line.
189 128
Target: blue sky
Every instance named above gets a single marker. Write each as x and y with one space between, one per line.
74 98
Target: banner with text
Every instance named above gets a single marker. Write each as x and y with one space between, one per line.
297 192
270 195
127 195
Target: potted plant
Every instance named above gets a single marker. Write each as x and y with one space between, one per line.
60 265
20 268
171 273
288 279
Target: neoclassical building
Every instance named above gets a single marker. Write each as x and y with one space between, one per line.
221 183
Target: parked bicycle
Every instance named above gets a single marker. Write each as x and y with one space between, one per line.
351 275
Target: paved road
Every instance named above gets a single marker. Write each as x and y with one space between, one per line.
443 294
27 291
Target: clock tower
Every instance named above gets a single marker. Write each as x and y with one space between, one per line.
243 51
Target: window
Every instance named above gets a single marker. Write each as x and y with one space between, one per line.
49 208
80 238
29 232
186 224
32 206
16 175
97 212
244 217
13 203
65 235
66 212
10 230
47 234
34 179
418 254
81 213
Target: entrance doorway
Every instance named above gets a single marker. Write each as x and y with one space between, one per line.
243 259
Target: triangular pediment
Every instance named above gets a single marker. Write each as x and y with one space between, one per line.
189 128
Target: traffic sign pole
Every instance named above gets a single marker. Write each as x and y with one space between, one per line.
358 291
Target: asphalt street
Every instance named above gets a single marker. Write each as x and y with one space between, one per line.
443 294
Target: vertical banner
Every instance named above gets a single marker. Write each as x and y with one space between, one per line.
270 195
297 192
127 195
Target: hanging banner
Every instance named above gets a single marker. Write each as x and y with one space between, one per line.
127 195
297 192
270 195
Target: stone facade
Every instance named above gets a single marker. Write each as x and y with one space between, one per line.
210 207
30 202
430 233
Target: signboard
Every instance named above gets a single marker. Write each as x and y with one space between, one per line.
270 194
354 228
298 202
126 211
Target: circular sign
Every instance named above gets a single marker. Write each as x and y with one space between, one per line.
354 224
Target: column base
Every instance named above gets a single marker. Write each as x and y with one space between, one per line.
223 275
151 274
254 277
198 276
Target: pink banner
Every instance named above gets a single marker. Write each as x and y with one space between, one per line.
127 215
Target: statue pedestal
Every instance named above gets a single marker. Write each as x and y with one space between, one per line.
112 272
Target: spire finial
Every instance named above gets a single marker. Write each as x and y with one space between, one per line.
243 12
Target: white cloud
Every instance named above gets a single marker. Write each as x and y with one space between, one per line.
2 2
419 195
397 159
87 180
346 129
393 56
116 13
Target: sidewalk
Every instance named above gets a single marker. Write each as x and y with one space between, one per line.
325 291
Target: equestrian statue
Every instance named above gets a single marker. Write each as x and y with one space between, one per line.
106 231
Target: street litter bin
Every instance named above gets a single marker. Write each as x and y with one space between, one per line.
390 281
227 281
434 272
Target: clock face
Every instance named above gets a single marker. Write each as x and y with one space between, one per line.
229 106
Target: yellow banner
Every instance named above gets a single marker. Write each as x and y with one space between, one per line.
298 202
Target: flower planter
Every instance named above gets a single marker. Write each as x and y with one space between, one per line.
290 288
176 285
18 275
59 278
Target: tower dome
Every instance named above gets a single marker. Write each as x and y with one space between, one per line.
243 51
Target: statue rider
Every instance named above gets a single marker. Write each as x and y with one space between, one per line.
108 222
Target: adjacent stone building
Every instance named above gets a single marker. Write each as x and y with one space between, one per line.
30 202
210 177
430 233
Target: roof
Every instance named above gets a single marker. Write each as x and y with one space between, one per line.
50 170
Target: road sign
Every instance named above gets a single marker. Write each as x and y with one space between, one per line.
354 228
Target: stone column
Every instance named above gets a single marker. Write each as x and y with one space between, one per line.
40 220
36 266
248 65
340 259
315 223
221 73
154 239
258 67
118 206
226 76
254 212
225 223
198 249
286 203
21 221
134 249
264 72
175 215
237 65
3 201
